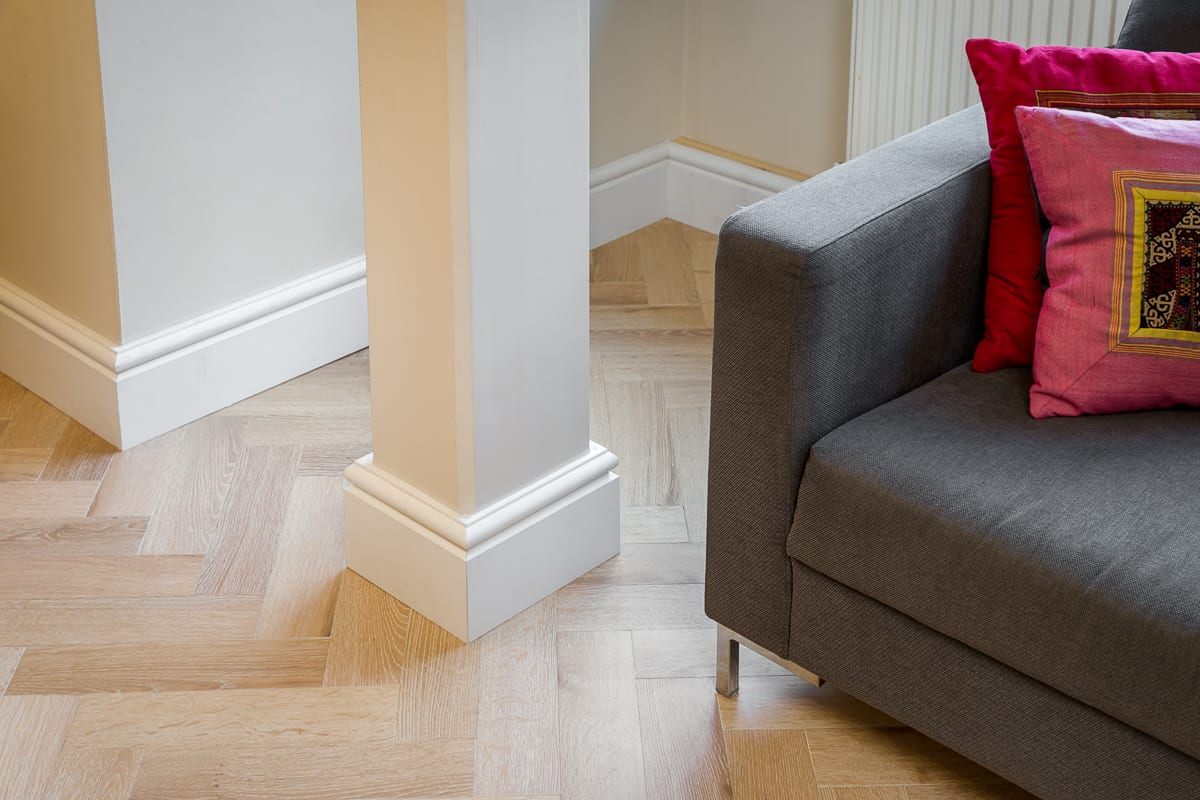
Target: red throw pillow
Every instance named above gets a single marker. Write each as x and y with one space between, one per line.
1115 83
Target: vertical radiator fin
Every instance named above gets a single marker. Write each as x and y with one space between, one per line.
907 62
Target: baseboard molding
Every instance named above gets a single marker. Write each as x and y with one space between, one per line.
672 180
133 392
470 574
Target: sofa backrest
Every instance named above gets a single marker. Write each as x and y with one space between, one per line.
1162 25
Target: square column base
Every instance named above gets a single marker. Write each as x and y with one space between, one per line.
469 591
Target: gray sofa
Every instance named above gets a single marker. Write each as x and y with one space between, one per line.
1026 592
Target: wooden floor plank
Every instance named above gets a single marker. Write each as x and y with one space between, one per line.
609 318
54 577
23 463
599 736
650 342
331 460
666 367
136 477
973 791
516 743
192 500
336 389
367 643
238 563
780 702
80 536
618 294
11 395
83 774
308 563
10 657
864 793
34 424
152 619
625 608
250 717
682 744
666 266
331 771
617 262
439 684
599 426
32 730
653 524
689 453
307 431
690 654
171 666
886 756
46 499
771 765
80 455
641 437
649 564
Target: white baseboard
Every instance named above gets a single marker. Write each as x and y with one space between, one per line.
470 574
133 392
672 180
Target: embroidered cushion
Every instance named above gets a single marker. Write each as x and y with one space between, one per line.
1120 325
1105 81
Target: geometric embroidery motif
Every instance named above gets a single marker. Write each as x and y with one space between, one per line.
1156 280
1169 272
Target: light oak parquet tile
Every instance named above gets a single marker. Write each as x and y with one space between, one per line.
682 744
308 563
81 536
665 367
83 774
771 765
305 431
237 563
516 744
690 654
335 389
46 499
4 424
863 793
11 395
250 717
886 756
32 730
367 644
701 249
51 577
597 703
10 657
649 564
689 454
600 428
331 460
625 608
607 318
191 502
653 524
777 702
23 464
687 394
137 477
439 684
34 423
641 439
161 619
618 261
171 666
80 455
318 771
651 342
666 265
618 294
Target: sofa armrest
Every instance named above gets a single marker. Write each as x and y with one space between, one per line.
832 298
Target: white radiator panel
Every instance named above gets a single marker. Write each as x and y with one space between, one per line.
907 63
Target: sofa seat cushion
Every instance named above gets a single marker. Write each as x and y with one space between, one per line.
1068 549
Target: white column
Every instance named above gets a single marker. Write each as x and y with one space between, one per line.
483 494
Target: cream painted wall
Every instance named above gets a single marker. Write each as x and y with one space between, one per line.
234 149
769 79
56 235
637 75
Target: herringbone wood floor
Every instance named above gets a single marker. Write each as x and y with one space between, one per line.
176 620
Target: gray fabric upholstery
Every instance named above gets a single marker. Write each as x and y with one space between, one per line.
832 298
1162 25
1018 727
1068 549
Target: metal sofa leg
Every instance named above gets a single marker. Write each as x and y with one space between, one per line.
727 662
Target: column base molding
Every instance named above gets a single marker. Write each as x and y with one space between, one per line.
469 574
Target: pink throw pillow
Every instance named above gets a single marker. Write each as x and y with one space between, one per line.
1119 328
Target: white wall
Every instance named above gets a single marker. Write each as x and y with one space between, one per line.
636 75
769 79
56 236
233 148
